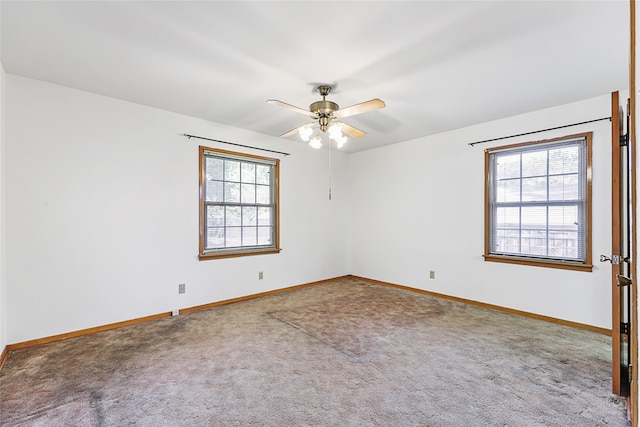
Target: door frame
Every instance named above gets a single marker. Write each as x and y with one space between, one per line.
632 401
619 249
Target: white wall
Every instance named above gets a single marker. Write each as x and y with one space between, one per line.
418 206
102 213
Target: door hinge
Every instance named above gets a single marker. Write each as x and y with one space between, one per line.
624 140
624 328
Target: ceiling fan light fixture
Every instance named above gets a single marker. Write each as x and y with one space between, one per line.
305 133
341 140
335 131
316 142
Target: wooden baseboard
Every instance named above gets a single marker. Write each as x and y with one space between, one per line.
88 331
577 325
259 295
3 357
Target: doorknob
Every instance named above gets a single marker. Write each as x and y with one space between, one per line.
623 280
615 259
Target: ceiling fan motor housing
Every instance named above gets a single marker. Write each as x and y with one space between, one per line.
324 109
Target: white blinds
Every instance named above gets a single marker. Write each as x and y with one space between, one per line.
538 200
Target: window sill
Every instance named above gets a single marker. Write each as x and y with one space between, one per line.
565 265
240 253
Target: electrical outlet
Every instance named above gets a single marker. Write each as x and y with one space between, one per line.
175 312
182 288
260 275
432 274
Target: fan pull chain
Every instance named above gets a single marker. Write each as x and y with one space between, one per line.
330 168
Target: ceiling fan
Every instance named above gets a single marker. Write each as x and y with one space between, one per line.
324 113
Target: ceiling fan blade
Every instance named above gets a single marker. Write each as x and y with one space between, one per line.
363 107
291 107
294 131
351 131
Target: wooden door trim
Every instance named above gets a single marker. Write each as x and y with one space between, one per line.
632 401
616 248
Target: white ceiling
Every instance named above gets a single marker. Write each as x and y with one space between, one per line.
438 65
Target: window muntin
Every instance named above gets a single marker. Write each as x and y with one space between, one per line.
238 204
538 203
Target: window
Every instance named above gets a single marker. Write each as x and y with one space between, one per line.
538 203
238 204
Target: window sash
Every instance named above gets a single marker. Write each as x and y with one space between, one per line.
528 216
238 204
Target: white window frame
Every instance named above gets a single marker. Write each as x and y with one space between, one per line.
221 201
492 252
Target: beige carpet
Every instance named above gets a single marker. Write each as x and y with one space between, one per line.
359 323
346 353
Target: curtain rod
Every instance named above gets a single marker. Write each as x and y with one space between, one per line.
538 131
236 144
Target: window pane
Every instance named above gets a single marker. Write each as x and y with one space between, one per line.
534 189
232 170
533 242
249 215
231 192
215 238
233 216
563 218
533 238
507 217
249 236
248 192
263 175
215 216
507 241
534 217
508 166
248 172
264 216
534 163
263 194
264 235
215 191
214 168
563 160
508 190
233 237
563 187
563 244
